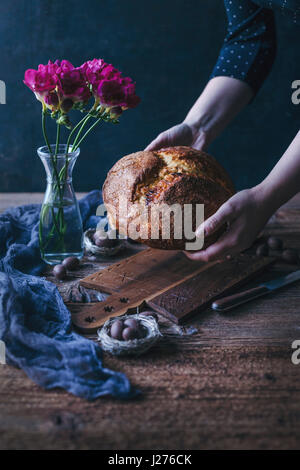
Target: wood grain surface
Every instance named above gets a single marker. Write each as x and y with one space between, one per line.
170 283
220 382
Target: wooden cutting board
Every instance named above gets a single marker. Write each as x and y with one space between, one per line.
167 281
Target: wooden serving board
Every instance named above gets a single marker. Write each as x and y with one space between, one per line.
167 281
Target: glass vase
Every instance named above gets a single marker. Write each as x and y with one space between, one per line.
60 228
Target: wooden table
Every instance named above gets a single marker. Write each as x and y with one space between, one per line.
230 385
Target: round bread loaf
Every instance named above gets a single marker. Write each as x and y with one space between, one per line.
149 181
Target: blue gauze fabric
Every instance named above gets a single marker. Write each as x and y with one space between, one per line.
34 322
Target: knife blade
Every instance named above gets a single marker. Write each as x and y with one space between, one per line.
231 301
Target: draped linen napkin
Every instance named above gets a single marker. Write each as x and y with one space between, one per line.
35 324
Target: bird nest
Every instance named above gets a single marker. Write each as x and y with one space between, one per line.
100 250
133 347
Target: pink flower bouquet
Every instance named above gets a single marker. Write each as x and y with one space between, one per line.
61 87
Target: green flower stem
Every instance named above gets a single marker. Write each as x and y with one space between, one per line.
61 180
81 123
88 117
85 135
44 130
72 133
58 219
57 140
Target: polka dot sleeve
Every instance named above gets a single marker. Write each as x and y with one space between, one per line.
249 48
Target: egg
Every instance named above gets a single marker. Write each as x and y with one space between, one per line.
116 330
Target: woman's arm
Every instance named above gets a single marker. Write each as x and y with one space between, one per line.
244 62
247 212
221 100
283 182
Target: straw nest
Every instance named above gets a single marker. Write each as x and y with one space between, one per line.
90 246
133 347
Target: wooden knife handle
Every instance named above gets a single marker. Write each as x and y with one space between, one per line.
232 301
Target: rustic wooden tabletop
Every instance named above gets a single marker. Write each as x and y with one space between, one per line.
227 382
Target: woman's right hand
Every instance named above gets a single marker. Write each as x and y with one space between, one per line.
181 134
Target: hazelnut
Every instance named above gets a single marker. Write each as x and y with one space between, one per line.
275 243
290 256
60 272
262 250
71 263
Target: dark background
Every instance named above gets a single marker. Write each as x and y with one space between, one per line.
169 48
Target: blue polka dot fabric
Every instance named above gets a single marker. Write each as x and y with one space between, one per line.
249 48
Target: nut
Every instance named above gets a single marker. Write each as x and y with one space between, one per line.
71 263
275 243
60 272
290 256
262 250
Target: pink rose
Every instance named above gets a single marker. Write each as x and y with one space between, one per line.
111 92
60 85
63 65
41 80
71 82
131 99
97 70
118 92
51 99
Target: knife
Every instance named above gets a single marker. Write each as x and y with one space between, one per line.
231 301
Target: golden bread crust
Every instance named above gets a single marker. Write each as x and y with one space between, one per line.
174 175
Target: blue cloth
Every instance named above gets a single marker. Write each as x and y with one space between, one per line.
34 322
249 47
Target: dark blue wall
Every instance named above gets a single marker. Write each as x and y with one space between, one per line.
169 48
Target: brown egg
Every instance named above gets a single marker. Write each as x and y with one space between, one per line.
275 243
150 314
60 272
116 329
71 263
130 333
132 322
262 250
105 242
290 256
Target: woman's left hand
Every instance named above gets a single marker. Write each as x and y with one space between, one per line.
245 214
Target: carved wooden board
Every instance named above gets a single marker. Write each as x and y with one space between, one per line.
167 281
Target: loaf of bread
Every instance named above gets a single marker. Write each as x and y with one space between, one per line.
148 180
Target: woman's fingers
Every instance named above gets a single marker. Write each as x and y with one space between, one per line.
223 215
161 140
226 244
246 218
181 134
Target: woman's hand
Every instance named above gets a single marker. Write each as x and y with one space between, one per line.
181 134
218 104
245 214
